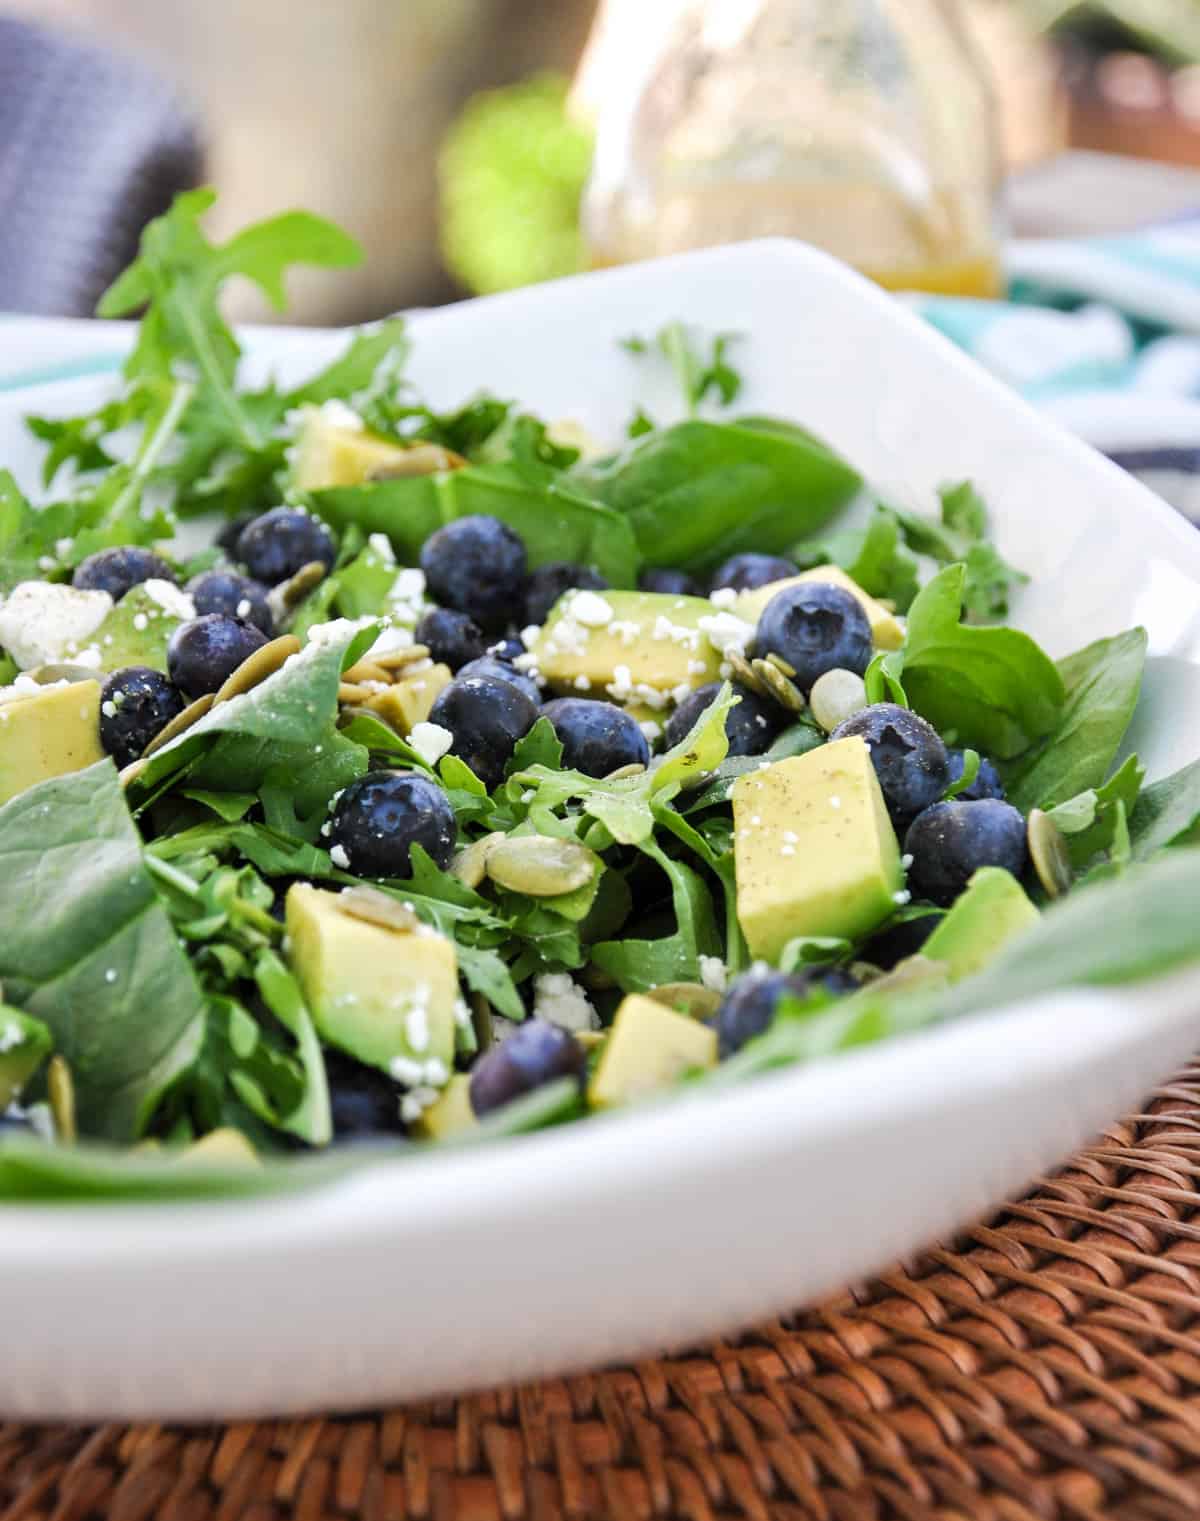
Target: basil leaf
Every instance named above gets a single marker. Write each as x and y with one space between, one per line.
1101 683
1168 813
700 491
90 950
994 688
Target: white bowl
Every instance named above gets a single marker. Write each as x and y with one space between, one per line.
640 1231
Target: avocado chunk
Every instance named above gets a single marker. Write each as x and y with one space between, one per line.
220 1148
814 849
49 733
648 1047
384 996
334 449
641 646
25 1044
991 911
886 629
450 1114
136 632
410 701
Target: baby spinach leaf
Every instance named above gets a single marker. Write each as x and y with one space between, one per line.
1095 822
363 585
1101 684
700 491
1168 813
555 517
90 950
993 688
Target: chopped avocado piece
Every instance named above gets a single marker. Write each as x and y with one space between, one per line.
449 1115
379 994
47 734
627 645
982 921
814 849
409 702
648 1047
136 632
220 1148
24 1045
331 453
886 628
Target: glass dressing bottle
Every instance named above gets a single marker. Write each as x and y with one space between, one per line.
863 126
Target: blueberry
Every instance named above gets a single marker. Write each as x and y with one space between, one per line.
751 726
500 670
116 570
548 582
537 1052
597 737
273 547
667 582
451 638
477 566
899 941
487 716
381 816
363 1101
224 591
205 651
750 1004
506 650
815 627
135 705
228 537
746 572
907 753
951 841
986 784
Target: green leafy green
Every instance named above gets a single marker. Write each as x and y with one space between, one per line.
698 375
638 965
1168 813
1096 822
962 538
874 557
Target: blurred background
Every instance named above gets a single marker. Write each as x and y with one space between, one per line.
455 138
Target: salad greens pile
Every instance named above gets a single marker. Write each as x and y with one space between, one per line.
186 930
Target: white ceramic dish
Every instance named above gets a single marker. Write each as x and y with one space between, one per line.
632 1233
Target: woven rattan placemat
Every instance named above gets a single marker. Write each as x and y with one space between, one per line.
1045 1364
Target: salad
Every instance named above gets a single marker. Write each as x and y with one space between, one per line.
378 777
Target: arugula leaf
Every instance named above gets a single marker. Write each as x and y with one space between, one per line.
1167 814
962 537
874 557
883 679
993 688
636 966
798 739
554 516
680 345
310 1119
91 951
1101 684
374 356
700 491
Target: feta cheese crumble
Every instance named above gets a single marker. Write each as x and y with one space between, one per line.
38 621
559 999
338 415
170 598
338 855
713 974
590 609
430 741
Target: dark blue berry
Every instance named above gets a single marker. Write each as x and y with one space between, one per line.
135 705
750 1004
815 627
534 1054
486 716
747 572
949 842
667 582
224 591
900 941
451 638
205 651
14 1125
116 570
907 753
276 545
228 537
500 670
477 566
363 1102
381 816
549 582
506 650
751 726
986 784
597 737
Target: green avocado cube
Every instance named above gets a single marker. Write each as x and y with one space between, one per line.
649 1047
136 632
48 733
991 911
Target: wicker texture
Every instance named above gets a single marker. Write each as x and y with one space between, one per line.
1045 1365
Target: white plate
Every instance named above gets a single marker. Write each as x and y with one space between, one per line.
633 1233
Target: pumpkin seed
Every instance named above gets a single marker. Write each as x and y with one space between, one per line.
350 691
786 693
46 675
1048 851
689 997
130 773
60 1091
590 1039
836 696
419 459
592 978
190 715
366 670
306 579
745 675
539 866
348 714
470 864
481 1022
634 768
375 907
781 665
396 660
264 662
